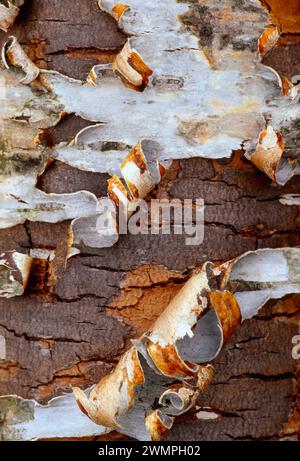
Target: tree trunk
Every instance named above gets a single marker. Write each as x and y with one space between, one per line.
73 333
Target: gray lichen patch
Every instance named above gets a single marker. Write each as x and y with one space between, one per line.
225 27
14 410
19 164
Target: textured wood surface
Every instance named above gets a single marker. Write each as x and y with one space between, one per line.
73 333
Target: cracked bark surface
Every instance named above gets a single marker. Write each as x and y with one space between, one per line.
74 333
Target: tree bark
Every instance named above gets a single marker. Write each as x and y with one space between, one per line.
73 333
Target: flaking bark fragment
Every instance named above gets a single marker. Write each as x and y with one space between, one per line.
14 55
14 273
268 157
140 174
9 10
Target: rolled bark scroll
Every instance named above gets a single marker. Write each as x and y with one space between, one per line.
9 10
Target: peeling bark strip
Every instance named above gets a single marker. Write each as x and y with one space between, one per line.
290 199
9 10
141 174
268 156
198 100
167 368
14 273
14 55
26 420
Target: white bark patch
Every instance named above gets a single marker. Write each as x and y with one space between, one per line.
290 199
207 414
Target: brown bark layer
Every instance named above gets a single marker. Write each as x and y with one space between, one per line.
73 333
